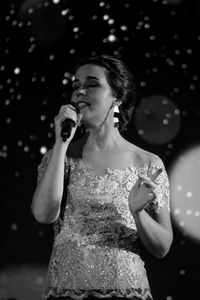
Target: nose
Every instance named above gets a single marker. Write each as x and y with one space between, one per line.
81 91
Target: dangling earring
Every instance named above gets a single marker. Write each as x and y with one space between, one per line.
116 116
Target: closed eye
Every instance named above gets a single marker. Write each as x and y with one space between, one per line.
76 85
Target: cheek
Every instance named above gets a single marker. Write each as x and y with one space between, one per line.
100 98
72 97
101 101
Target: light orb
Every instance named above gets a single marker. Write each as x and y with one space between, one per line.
184 176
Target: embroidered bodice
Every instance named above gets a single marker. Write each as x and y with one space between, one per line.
96 247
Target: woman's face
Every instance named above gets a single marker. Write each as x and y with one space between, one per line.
92 93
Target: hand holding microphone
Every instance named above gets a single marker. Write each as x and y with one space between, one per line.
66 122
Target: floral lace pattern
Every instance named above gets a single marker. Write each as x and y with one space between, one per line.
96 248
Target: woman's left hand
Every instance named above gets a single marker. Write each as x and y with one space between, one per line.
143 192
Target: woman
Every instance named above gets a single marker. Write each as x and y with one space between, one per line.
115 195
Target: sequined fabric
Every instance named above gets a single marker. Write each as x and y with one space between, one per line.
96 247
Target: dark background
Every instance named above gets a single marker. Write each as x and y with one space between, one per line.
39 43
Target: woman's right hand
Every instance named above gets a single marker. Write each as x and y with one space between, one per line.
66 112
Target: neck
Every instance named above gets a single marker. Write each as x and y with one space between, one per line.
103 139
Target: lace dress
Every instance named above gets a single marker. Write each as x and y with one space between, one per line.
96 245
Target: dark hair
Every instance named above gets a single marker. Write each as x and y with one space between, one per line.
121 82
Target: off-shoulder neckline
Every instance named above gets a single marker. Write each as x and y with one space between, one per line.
131 168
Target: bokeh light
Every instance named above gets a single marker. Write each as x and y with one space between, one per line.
185 193
157 119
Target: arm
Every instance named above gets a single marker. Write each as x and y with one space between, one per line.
154 228
48 194
155 233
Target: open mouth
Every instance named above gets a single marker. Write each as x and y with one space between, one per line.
82 104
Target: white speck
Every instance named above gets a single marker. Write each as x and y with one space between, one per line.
189 212
43 150
189 194
14 226
179 187
17 71
140 132
65 12
182 272
111 38
165 122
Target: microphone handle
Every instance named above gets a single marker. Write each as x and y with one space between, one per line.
68 124
67 129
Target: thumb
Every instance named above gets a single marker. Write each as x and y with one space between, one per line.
138 182
79 120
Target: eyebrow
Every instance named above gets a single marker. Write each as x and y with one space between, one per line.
88 77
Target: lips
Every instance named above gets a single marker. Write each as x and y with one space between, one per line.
82 104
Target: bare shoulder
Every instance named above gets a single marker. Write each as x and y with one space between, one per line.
142 156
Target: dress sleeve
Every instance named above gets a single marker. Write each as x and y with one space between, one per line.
43 164
163 191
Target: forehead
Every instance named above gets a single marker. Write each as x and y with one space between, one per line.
90 70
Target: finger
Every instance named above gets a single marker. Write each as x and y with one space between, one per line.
151 196
138 182
72 107
69 113
67 107
156 174
150 190
65 116
79 119
148 183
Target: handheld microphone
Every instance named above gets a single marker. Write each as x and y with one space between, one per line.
68 124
